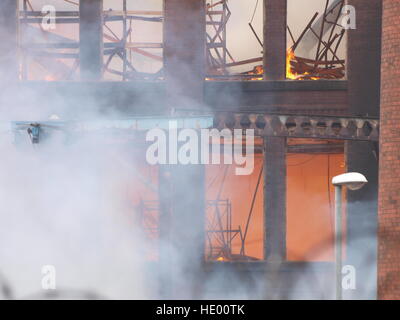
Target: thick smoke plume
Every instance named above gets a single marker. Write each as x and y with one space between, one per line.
66 203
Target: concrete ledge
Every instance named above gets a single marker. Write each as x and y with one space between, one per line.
287 85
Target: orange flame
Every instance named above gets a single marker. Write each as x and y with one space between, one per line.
290 73
289 58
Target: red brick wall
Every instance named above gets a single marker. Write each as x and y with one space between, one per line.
363 74
363 70
389 189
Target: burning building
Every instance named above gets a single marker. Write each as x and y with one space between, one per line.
109 72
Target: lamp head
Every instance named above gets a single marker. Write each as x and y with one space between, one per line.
351 180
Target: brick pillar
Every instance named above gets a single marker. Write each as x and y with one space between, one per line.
9 41
91 39
275 16
184 53
181 188
275 199
389 170
182 225
363 73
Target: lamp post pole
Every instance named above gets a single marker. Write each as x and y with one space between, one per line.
338 241
353 181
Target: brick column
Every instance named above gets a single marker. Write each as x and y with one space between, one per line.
389 177
275 199
182 225
91 39
275 16
184 53
9 41
181 187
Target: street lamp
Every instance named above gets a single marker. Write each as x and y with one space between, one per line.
353 181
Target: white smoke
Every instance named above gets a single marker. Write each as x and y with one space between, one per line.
68 206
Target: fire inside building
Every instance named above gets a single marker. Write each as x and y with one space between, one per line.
318 83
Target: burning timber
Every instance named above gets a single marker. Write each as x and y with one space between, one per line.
325 35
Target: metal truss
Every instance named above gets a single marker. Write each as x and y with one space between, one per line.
219 231
217 16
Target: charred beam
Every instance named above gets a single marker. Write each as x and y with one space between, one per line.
316 148
303 126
